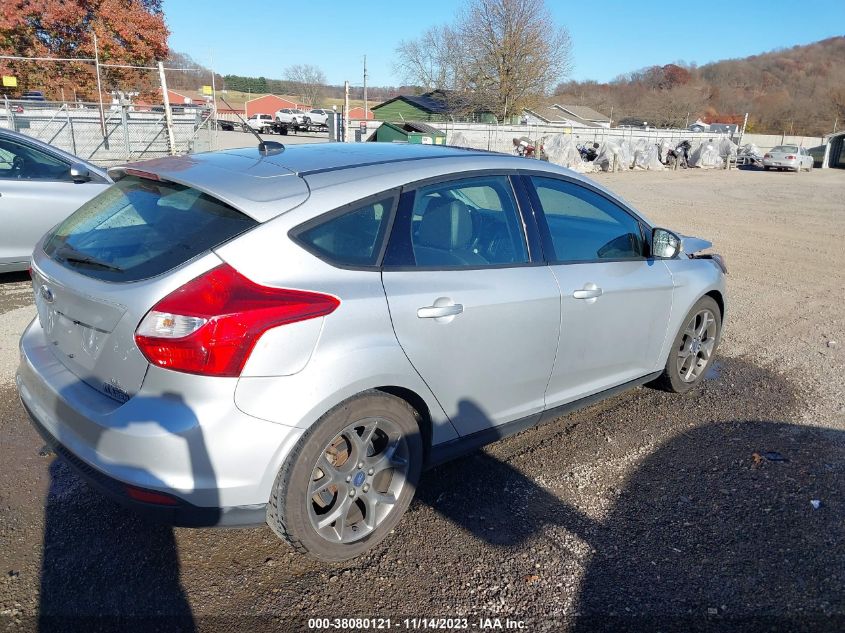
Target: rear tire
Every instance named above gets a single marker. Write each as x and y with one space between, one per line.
693 349
349 479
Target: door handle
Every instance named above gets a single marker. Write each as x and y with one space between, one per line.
590 291
435 312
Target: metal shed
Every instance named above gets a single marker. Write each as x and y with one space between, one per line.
836 152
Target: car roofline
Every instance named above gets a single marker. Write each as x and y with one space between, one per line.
408 159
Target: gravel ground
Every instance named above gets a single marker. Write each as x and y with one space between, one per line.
645 512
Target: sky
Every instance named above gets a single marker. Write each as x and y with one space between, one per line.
609 37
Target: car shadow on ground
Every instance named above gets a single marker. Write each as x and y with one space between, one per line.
105 567
714 527
737 522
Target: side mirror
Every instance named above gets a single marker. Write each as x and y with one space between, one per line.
665 244
79 173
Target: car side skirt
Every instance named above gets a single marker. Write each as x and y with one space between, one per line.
447 451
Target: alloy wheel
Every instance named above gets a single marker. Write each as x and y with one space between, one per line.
357 480
697 345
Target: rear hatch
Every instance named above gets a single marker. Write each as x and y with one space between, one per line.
100 271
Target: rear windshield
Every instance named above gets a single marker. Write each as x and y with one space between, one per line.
786 149
139 228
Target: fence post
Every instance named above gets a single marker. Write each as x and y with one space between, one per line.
100 94
10 114
168 116
124 124
70 125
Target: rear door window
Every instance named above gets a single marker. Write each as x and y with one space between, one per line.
140 228
467 223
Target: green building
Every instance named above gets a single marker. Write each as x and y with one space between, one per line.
431 107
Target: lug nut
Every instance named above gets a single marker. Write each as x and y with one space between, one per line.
352 493
370 472
360 465
366 487
348 478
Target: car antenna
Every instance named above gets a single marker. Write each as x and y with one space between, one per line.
264 147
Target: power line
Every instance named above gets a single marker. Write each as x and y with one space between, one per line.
85 60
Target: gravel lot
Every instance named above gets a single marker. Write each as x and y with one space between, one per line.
645 512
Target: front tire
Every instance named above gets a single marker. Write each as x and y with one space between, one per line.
349 479
693 349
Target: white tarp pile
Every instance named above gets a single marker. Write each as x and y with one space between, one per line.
727 148
561 150
706 156
646 155
750 149
619 149
663 150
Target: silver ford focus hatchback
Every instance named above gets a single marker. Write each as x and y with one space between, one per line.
291 335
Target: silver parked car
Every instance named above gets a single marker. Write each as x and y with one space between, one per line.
292 335
789 157
40 186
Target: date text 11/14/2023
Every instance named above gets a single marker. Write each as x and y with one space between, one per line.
416 624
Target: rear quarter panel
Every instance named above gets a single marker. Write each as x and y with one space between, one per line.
293 377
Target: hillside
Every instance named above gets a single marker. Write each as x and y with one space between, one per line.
799 89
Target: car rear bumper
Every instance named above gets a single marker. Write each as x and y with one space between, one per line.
783 164
181 437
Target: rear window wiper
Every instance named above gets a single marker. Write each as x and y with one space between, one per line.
87 260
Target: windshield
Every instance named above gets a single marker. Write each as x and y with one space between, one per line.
139 228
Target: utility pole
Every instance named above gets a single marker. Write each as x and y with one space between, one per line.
213 98
168 116
345 110
365 88
100 93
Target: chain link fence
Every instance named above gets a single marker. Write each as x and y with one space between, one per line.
126 134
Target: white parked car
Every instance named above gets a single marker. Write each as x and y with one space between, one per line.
787 157
317 117
290 116
260 123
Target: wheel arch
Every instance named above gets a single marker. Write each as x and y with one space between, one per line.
420 407
720 301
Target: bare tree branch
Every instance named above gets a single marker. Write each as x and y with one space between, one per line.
308 81
502 55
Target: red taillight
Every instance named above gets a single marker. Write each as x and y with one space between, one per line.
211 324
767 156
790 158
149 496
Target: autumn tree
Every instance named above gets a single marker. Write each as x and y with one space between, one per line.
502 54
307 81
131 32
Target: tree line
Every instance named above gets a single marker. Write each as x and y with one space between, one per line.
798 90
